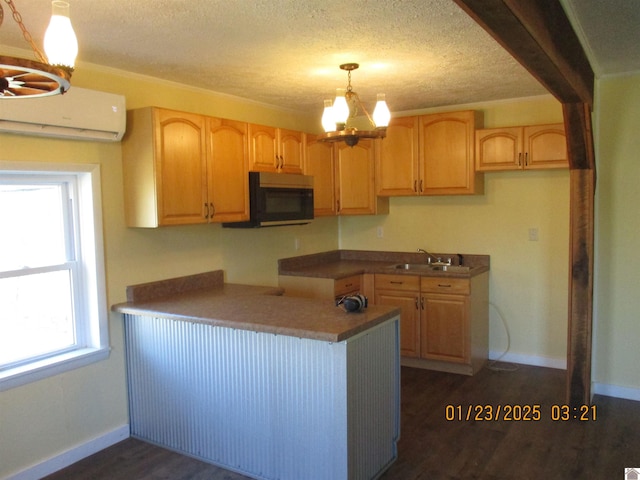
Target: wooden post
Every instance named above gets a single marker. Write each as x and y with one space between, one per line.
539 35
581 251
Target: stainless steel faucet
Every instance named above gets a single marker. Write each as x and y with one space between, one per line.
429 256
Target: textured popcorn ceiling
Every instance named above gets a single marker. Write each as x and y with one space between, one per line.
421 53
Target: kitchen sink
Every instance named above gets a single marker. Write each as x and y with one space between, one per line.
425 267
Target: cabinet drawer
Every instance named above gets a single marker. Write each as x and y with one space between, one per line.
347 285
409 283
459 286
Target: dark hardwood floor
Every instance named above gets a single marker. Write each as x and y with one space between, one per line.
433 448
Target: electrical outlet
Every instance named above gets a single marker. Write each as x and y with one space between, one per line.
296 243
533 234
379 232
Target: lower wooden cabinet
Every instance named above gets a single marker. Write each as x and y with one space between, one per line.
444 322
402 291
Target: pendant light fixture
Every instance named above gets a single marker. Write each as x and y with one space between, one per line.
338 118
48 75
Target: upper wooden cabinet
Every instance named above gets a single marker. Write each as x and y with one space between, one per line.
355 180
319 162
227 170
182 168
429 155
397 163
516 148
275 149
446 154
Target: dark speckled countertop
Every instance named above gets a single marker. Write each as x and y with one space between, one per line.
205 298
338 264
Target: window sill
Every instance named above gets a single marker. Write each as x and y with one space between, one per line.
49 367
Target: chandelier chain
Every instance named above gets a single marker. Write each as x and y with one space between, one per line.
25 33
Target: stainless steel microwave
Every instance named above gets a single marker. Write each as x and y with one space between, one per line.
278 199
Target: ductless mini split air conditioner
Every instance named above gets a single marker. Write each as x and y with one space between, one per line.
79 114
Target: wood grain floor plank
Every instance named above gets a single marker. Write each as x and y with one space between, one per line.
433 448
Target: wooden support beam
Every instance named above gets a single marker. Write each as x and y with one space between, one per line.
539 35
577 119
580 287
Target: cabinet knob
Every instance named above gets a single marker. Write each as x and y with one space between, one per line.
206 210
519 158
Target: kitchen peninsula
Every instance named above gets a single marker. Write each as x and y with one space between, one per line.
273 387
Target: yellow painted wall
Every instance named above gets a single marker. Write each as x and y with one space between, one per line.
617 303
45 418
528 279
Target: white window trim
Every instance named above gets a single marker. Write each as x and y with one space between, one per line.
89 191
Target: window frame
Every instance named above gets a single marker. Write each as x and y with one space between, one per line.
89 285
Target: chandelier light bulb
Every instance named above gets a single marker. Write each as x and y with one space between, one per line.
381 113
340 108
60 42
328 118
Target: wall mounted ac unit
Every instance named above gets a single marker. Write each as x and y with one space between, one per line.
79 114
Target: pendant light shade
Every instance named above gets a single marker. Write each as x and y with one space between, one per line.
340 109
381 113
328 118
60 42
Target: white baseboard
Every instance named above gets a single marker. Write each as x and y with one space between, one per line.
617 391
73 455
535 360
608 390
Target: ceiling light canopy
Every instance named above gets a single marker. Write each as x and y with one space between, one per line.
50 74
340 116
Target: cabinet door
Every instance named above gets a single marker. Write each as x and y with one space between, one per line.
290 151
409 318
263 149
397 160
355 177
499 149
545 146
319 163
181 171
228 170
446 156
443 328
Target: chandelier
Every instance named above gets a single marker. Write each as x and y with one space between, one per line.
339 118
50 74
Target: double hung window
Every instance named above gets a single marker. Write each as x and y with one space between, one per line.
52 296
